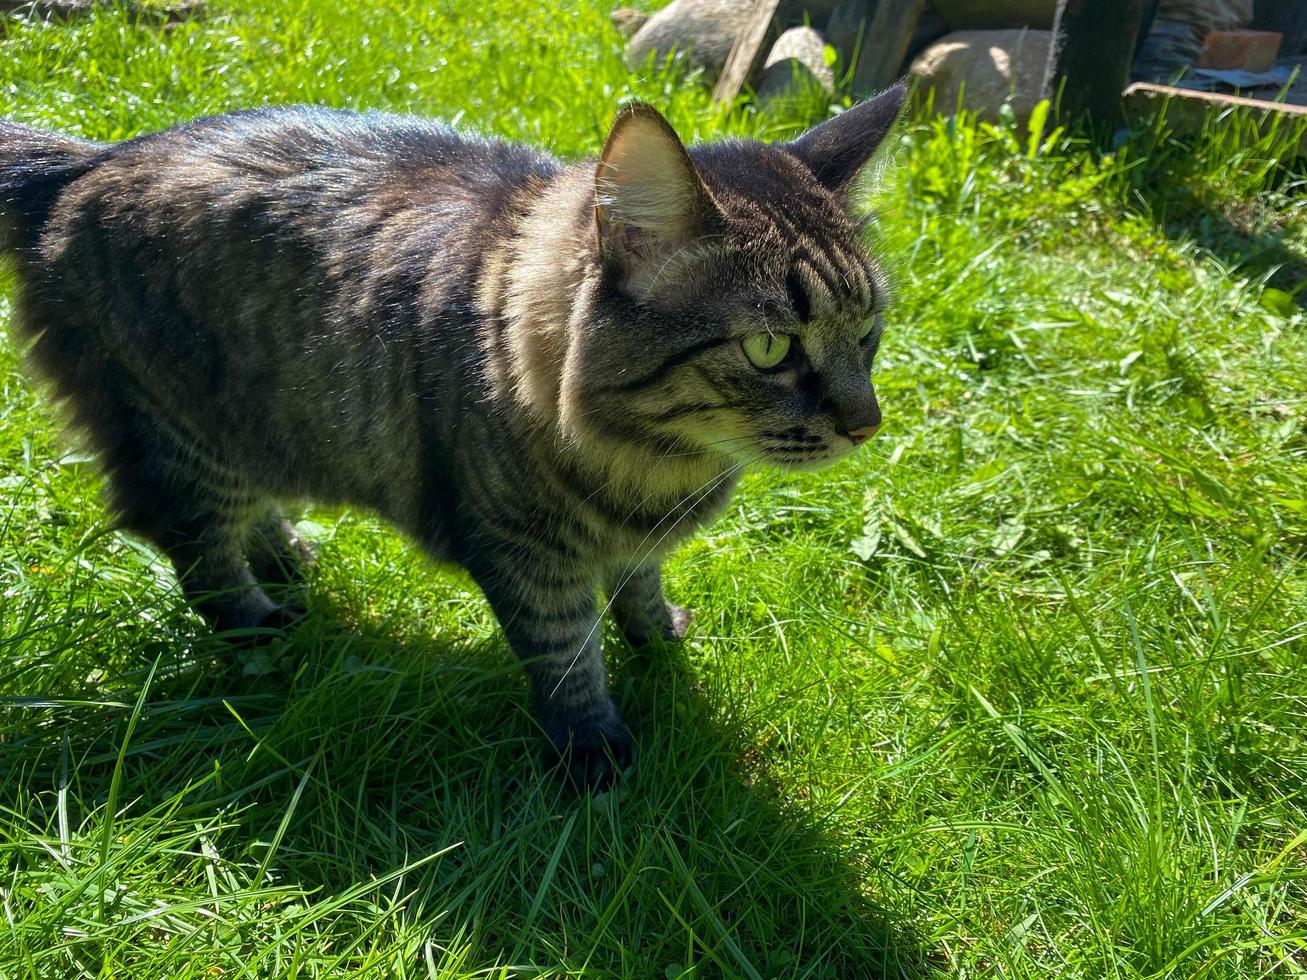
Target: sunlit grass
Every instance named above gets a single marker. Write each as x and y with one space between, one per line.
1018 692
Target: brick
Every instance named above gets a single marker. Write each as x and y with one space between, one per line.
1246 50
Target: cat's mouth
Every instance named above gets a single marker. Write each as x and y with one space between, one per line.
809 457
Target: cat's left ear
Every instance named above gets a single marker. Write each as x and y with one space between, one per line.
837 149
649 199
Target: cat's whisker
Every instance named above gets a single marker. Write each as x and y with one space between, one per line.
645 490
707 447
715 483
634 566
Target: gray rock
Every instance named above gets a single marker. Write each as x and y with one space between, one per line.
1170 47
1205 15
702 31
988 67
1175 39
797 60
628 21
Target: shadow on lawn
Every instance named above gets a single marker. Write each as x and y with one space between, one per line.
416 745
1253 254
1231 237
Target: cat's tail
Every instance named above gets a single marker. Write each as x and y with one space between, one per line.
35 167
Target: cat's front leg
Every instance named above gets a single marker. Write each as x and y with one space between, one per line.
641 610
552 623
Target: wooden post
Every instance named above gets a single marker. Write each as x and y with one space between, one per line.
746 52
885 44
1089 65
1289 17
847 25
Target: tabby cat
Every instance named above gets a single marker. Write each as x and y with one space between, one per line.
548 373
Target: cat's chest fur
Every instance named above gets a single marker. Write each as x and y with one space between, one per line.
515 485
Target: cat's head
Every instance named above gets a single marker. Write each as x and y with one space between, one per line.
737 311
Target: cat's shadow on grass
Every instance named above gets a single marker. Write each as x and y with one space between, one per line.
413 745
1186 218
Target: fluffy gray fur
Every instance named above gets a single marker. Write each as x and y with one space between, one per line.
536 370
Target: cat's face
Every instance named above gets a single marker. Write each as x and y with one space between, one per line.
739 312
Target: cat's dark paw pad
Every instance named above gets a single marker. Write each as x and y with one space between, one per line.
590 757
251 619
680 623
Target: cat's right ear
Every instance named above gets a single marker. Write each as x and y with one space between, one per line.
649 200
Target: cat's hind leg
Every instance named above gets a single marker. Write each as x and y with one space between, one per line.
199 513
278 554
641 610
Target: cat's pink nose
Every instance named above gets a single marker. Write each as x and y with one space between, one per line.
859 436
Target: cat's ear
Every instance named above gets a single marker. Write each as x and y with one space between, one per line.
649 200
837 149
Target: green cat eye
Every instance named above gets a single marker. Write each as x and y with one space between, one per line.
765 350
866 327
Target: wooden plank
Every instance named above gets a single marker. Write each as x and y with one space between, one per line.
886 44
1186 110
747 51
1089 64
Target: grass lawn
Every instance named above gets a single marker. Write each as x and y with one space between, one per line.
1017 692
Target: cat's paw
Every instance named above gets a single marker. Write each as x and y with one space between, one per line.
280 555
591 754
679 623
672 629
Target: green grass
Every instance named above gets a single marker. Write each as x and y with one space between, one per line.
1018 692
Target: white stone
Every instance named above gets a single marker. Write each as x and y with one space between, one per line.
797 58
988 67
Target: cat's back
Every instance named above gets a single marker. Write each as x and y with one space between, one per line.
290 170
297 228
280 281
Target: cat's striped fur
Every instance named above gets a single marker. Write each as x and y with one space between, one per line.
534 369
